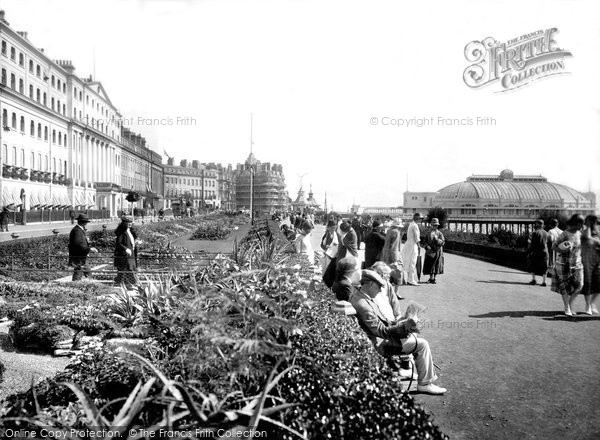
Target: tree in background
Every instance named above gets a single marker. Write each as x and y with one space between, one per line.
549 214
132 197
437 212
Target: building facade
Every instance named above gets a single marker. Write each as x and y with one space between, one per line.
62 143
267 183
418 202
199 185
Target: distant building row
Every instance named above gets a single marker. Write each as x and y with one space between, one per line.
63 145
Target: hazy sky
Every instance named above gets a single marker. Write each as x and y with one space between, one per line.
315 73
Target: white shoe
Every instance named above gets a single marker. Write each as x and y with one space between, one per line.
431 389
408 374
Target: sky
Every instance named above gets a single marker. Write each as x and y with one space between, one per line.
333 85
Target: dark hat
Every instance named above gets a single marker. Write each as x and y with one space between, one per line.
371 275
376 224
127 219
83 218
345 226
539 221
331 223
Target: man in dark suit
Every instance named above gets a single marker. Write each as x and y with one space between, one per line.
374 244
379 316
348 242
79 248
357 226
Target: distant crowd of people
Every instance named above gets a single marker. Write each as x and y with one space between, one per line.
372 284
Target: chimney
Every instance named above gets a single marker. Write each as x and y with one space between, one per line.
195 164
183 163
171 161
2 19
23 35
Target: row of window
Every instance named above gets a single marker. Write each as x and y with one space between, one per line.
21 126
36 161
33 68
190 182
173 192
39 96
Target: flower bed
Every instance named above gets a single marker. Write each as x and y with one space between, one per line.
50 254
213 230
251 344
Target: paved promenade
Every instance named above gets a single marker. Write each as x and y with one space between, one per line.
512 370
41 229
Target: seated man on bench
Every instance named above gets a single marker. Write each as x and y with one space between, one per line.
381 320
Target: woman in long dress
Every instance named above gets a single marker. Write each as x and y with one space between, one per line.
567 279
126 248
434 253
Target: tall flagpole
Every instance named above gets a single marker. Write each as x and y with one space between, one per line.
251 175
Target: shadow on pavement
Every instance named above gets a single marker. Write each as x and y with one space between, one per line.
507 271
524 283
576 318
517 314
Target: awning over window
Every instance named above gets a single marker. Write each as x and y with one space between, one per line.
44 199
33 200
90 200
7 199
65 200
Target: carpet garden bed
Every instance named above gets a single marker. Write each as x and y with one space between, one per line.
46 258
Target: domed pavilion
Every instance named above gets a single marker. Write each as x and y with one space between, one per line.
483 202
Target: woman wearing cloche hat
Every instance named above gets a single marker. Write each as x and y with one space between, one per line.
434 255
126 248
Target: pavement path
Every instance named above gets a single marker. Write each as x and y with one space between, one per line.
41 229
512 369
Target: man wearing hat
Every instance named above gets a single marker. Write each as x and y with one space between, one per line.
380 317
374 242
79 248
410 251
537 252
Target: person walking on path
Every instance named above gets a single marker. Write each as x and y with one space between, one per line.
590 257
79 248
72 215
567 278
537 253
374 242
553 234
434 253
410 251
329 244
4 219
126 250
